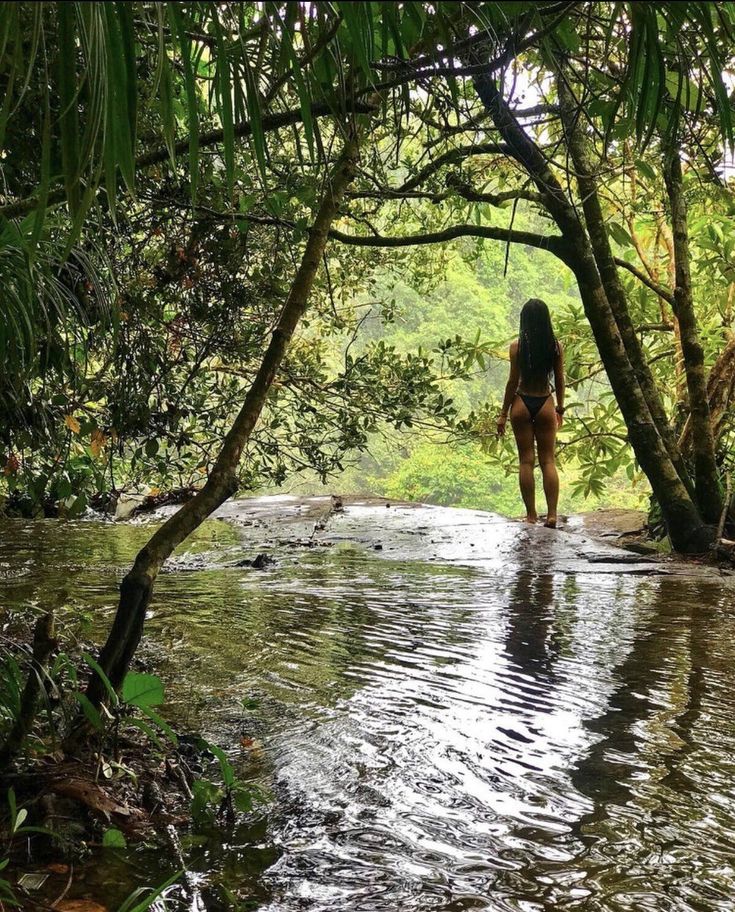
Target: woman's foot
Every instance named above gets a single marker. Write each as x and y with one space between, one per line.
550 522
531 519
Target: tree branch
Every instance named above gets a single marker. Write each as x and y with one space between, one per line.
451 157
458 188
553 243
649 283
269 123
244 128
476 122
469 193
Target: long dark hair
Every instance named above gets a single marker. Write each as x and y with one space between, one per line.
537 345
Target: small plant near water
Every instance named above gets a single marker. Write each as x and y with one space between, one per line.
117 772
140 692
214 802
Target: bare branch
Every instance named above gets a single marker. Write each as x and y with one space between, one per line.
467 192
452 157
662 292
553 243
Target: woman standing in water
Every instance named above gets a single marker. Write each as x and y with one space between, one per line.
534 356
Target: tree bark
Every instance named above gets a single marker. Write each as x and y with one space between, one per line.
706 476
137 586
577 144
681 384
683 522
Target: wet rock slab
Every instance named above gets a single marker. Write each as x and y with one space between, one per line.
445 535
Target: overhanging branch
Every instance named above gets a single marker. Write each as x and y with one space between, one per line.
553 243
269 123
649 283
452 157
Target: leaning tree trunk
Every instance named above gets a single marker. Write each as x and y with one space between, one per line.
706 476
577 144
683 522
136 588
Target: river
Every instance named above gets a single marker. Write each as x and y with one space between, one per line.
449 711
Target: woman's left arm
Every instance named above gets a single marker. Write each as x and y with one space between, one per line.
511 388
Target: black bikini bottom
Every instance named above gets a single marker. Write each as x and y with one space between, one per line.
534 404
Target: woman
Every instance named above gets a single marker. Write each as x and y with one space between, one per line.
534 356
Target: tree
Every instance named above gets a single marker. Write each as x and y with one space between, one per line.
584 244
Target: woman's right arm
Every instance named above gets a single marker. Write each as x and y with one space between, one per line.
511 388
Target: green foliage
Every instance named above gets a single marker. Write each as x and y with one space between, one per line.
452 476
113 839
142 690
6 891
11 689
142 899
141 283
219 800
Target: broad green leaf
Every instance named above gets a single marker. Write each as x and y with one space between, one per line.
113 839
142 689
619 234
192 105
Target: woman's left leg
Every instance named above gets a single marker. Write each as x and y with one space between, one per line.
522 425
544 428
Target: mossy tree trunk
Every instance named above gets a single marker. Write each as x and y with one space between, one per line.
706 475
137 586
578 145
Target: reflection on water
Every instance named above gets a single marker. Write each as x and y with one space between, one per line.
434 737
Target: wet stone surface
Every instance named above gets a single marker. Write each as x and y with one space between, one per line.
478 715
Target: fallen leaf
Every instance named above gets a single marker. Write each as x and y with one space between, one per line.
56 867
71 422
92 795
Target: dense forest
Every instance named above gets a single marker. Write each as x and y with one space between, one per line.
256 247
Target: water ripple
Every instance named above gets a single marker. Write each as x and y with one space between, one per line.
447 738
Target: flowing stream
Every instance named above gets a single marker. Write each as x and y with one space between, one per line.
451 711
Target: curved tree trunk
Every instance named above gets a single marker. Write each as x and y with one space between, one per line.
577 144
136 588
683 522
707 479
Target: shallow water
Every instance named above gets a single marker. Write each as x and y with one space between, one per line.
511 728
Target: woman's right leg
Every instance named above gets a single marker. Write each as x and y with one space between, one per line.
523 431
545 430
